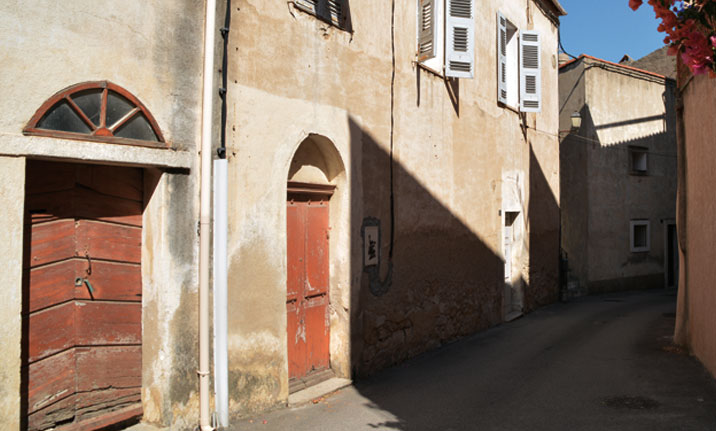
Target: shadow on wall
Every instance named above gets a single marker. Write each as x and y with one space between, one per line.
603 188
442 283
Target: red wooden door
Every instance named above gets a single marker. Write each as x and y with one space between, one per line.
307 286
82 295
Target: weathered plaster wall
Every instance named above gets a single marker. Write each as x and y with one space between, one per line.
152 49
575 172
696 320
619 108
12 197
292 75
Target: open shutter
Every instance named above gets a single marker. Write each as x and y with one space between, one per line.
426 30
530 76
332 11
460 39
501 58
310 6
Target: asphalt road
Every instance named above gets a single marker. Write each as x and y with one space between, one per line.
598 363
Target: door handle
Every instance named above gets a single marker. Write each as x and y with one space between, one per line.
79 281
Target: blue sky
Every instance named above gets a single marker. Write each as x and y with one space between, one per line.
608 29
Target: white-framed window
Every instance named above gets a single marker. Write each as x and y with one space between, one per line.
446 37
638 161
518 66
639 235
332 11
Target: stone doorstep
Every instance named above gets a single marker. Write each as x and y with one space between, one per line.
513 315
294 400
145 427
321 389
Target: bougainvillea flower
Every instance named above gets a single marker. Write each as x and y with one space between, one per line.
634 4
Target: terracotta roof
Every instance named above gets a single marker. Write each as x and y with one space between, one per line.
612 64
559 7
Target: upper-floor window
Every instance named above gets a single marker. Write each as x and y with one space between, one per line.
446 37
518 66
96 111
638 162
332 11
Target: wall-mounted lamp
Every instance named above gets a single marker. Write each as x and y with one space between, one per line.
576 120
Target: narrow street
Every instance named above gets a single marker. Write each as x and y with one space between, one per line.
599 363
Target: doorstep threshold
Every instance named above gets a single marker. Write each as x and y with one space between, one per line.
316 391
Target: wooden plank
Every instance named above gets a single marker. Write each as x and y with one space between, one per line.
109 241
83 203
105 367
50 331
317 248
46 418
51 380
108 323
121 182
43 176
92 421
52 284
51 242
111 281
317 331
295 231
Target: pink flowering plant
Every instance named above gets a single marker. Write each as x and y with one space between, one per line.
690 28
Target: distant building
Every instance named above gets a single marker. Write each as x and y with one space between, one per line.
618 184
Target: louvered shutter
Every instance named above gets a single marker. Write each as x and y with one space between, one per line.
330 10
426 30
310 6
501 58
460 42
530 76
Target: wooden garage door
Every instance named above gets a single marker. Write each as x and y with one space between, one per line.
82 295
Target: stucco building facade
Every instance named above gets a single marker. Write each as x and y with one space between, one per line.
618 181
381 202
695 321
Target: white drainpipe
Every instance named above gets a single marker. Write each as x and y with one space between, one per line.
205 212
221 366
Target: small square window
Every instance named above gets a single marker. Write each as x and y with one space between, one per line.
638 161
639 235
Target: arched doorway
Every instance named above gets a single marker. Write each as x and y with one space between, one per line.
311 185
82 282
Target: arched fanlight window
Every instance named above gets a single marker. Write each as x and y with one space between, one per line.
96 111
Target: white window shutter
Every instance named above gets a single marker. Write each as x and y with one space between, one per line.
460 39
501 58
426 29
530 68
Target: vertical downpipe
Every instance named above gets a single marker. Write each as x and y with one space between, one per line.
205 212
221 366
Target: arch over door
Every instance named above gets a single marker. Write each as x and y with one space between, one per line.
82 292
